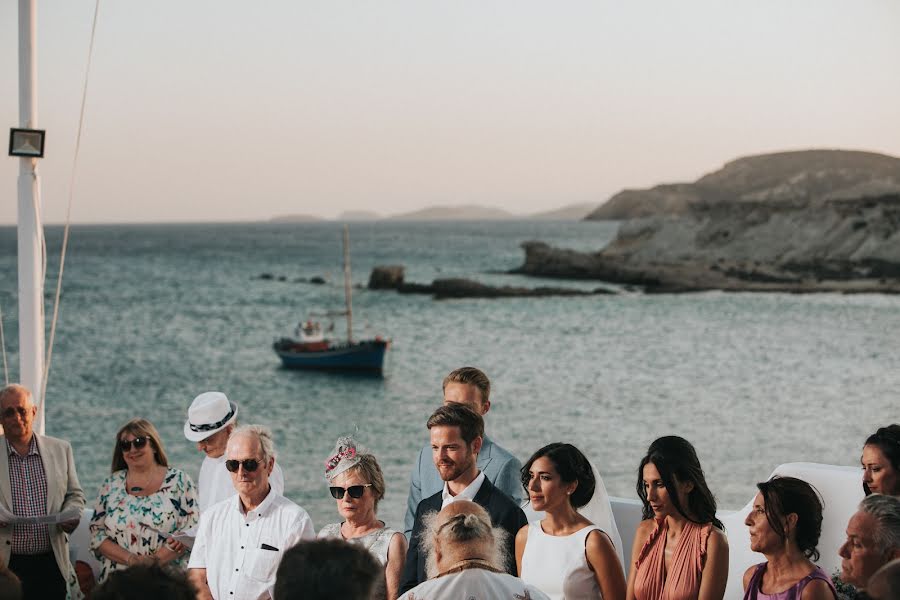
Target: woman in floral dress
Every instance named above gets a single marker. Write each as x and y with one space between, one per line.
141 504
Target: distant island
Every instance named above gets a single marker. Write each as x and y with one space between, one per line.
805 221
467 212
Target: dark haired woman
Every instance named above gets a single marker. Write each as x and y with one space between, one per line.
680 552
785 523
565 555
881 462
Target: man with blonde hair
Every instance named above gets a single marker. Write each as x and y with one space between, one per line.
242 539
467 557
471 387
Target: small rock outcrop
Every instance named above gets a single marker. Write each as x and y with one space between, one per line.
389 277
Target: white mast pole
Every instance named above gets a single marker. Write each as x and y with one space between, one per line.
30 232
347 292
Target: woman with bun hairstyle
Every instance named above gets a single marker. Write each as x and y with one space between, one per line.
566 554
881 462
680 551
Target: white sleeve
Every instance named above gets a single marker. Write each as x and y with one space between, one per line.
198 551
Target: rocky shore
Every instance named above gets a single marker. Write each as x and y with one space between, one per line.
831 245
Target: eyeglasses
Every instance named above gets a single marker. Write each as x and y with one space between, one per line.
355 491
249 464
138 442
13 410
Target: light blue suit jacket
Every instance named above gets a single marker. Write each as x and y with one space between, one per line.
497 464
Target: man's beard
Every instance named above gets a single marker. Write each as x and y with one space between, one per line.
455 469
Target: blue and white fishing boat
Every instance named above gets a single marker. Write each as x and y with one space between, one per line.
312 350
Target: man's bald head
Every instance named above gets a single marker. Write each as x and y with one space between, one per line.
462 532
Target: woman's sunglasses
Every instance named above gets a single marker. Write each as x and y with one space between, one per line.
355 491
249 464
138 442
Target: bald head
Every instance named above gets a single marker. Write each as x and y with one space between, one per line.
462 531
17 412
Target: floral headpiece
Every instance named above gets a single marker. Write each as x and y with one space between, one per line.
345 456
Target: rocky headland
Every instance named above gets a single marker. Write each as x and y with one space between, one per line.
800 222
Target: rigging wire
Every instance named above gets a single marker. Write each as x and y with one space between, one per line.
65 242
3 345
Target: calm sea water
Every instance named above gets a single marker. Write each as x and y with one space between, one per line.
154 315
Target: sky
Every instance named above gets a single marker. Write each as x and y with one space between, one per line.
227 110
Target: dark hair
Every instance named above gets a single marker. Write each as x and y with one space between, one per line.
785 495
470 376
452 414
571 465
675 458
327 568
146 582
10 584
886 439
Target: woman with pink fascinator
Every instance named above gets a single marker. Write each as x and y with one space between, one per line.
357 485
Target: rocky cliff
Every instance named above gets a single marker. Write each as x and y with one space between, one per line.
810 176
823 244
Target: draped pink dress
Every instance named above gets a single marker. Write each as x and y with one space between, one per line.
682 582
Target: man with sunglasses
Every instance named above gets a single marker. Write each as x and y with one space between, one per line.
37 477
241 539
211 419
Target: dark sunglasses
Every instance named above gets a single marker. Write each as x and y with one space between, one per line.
12 410
249 464
139 442
355 491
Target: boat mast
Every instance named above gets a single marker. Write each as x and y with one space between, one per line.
347 291
30 230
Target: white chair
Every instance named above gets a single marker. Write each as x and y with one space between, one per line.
841 491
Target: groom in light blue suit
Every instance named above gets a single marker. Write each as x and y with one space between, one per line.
469 386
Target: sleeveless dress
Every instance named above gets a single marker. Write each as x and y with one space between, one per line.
792 593
377 542
556 564
683 579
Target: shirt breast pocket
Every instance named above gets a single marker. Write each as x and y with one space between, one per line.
261 564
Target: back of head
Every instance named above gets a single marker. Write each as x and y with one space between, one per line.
886 511
887 440
462 530
470 423
146 582
885 583
784 496
325 569
571 465
10 586
470 376
675 458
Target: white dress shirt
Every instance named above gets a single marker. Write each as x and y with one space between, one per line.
241 551
215 482
467 494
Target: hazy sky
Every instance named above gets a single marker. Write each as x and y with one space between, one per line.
237 110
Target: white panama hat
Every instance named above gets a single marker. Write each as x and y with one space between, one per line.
210 412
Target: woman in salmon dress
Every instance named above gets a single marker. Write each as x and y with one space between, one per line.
680 551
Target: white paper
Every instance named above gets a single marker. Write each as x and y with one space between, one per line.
9 518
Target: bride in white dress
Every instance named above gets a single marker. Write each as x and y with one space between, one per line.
575 551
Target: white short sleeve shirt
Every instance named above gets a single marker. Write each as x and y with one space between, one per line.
215 482
241 552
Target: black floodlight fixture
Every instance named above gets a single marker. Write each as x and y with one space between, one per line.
27 143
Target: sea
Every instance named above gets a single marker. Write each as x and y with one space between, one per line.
152 315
